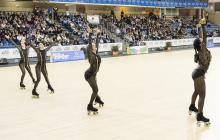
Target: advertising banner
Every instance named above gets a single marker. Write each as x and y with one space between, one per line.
66 56
137 50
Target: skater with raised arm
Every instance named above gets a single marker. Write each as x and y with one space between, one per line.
40 67
24 61
90 74
203 58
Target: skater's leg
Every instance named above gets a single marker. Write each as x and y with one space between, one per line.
93 84
28 68
98 98
45 74
192 107
21 65
97 86
99 101
38 75
194 96
201 89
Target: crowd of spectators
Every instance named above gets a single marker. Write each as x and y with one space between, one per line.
71 29
77 25
136 29
23 25
66 30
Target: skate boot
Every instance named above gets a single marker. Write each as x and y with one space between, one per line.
50 88
22 86
99 101
192 109
202 120
91 110
35 94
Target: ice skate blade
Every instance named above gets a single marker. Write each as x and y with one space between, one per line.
201 123
35 97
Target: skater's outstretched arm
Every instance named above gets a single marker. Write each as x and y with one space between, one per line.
203 34
89 48
97 41
16 45
19 48
12 41
90 39
33 45
89 30
204 55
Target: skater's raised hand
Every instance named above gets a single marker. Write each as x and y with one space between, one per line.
202 21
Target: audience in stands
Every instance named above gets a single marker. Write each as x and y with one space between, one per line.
77 25
136 29
71 29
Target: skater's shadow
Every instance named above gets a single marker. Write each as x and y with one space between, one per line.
193 131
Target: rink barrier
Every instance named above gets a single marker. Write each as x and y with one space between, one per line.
13 53
66 56
161 45
177 42
135 50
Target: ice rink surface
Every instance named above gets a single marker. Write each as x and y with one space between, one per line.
146 98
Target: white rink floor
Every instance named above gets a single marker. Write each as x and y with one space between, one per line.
146 98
